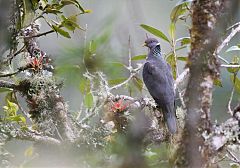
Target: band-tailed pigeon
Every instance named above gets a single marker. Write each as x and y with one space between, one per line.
157 76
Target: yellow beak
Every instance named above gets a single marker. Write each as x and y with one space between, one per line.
144 45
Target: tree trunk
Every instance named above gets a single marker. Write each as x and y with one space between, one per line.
208 23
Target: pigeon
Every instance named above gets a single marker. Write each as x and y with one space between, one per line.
158 78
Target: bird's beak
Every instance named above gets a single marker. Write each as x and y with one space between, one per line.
144 45
158 43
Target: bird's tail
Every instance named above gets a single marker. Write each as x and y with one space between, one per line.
170 118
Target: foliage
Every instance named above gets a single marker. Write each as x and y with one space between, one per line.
107 130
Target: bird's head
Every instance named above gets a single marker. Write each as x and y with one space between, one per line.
151 43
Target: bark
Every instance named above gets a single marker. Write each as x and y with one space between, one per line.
208 23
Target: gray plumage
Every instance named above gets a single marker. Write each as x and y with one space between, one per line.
157 76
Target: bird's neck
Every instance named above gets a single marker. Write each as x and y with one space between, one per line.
155 52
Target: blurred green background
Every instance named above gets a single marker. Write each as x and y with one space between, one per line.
105 47
109 25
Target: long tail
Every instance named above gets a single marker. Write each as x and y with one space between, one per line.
170 118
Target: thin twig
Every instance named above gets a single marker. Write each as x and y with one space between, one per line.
40 34
80 111
6 84
234 158
230 101
230 66
39 138
223 59
16 53
234 25
134 72
226 41
129 53
16 72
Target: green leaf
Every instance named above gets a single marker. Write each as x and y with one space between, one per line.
92 46
53 11
233 70
139 57
235 61
5 90
61 31
138 83
35 4
217 82
234 165
17 118
116 81
233 48
184 40
84 86
73 2
179 48
28 12
235 80
88 101
172 29
178 11
155 32
70 23
10 109
182 58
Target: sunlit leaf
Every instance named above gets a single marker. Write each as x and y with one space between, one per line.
139 57
35 4
87 11
88 100
17 118
53 11
184 40
5 90
233 48
84 86
234 165
70 22
182 58
155 32
61 31
92 46
217 82
10 109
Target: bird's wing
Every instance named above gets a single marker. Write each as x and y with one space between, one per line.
170 76
157 82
